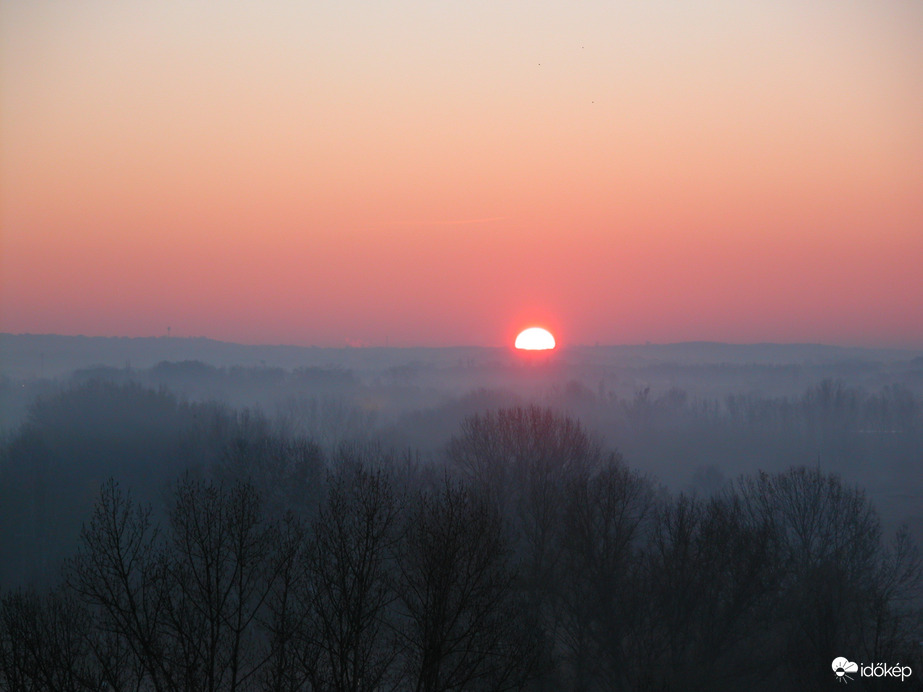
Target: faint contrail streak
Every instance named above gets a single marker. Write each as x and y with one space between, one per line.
462 222
454 222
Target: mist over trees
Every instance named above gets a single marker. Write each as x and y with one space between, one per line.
555 538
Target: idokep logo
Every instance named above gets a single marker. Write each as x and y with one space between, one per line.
842 667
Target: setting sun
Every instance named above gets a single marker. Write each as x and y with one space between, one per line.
535 339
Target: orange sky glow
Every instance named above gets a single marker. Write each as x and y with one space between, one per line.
434 174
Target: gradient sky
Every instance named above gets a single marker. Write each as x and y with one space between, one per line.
445 173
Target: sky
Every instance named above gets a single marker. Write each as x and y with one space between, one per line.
411 173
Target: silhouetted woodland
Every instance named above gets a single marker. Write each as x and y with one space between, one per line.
154 542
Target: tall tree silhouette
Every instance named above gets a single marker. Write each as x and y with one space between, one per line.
346 639
463 627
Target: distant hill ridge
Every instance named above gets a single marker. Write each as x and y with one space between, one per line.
49 355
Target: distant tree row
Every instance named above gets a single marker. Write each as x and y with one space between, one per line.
532 559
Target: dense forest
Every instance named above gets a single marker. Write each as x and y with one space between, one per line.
155 537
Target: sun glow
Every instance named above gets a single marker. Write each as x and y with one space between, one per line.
535 339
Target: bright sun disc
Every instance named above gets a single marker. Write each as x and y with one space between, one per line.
535 339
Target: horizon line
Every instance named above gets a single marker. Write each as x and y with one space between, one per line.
364 346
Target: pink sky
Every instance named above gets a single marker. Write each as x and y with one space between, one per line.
423 173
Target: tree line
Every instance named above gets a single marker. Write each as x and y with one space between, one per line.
529 557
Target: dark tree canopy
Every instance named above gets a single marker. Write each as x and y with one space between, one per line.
524 557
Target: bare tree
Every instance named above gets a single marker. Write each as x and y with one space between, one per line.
462 624
595 591
47 642
284 616
844 588
345 639
709 581
288 472
117 574
184 613
520 447
522 459
220 567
